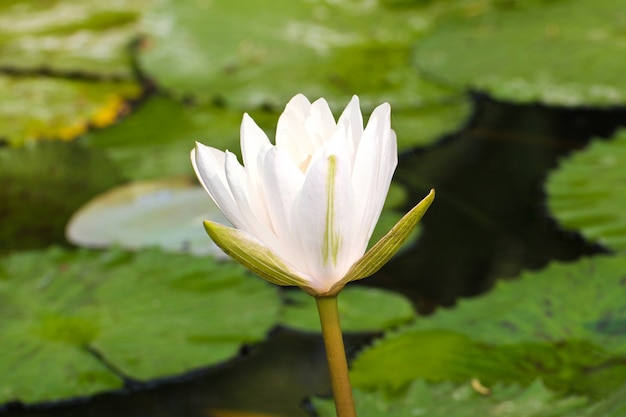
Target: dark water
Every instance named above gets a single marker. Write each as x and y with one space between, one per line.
489 221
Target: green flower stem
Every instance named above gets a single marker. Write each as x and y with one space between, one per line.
336 355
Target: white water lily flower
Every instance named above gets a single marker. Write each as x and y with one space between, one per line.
304 209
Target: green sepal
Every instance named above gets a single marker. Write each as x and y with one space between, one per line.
386 247
253 255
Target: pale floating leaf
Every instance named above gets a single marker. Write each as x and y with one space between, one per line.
166 213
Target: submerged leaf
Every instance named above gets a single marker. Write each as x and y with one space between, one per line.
43 185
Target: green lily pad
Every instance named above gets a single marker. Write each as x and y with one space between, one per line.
421 127
34 108
155 140
166 213
447 399
565 324
87 37
362 309
586 193
612 406
565 53
248 54
75 323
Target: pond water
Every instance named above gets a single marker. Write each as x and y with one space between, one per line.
489 221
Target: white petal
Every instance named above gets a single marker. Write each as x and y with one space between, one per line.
375 162
208 163
254 213
323 221
291 134
320 124
354 119
282 181
253 141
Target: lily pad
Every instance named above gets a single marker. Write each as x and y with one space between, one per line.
167 214
87 37
155 140
247 54
565 324
421 127
362 309
34 108
586 193
447 399
78 323
564 53
612 406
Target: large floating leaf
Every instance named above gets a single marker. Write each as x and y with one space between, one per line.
155 141
249 54
418 127
73 322
166 213
89 36
587 192
448 400
565 324
33 108
613 406
361 309
567 53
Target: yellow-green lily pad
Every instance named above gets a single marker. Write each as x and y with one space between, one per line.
35 108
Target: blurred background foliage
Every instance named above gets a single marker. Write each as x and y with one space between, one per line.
511 109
